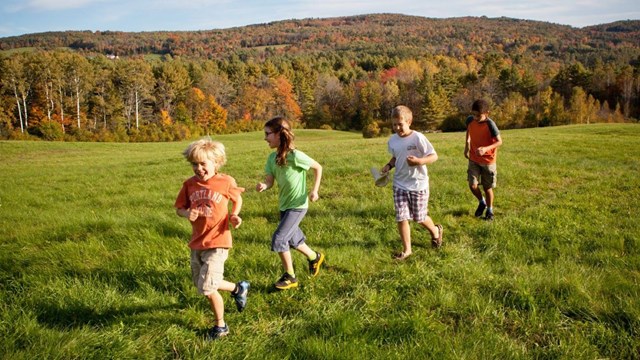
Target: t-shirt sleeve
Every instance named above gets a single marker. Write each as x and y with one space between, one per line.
468 121
182 201
234 191
426 147
268 167
493 128
301 160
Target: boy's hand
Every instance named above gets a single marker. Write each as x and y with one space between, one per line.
193 214
481 151
235 220
413 161
313 196
260 187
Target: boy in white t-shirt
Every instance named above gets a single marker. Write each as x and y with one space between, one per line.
411 152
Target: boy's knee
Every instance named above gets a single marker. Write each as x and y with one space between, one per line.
473 187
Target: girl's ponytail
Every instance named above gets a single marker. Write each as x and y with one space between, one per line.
281 127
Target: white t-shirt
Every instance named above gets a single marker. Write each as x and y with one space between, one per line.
411 178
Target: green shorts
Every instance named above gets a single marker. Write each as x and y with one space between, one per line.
482 174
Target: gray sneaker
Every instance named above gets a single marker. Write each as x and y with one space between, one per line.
241 297
217 332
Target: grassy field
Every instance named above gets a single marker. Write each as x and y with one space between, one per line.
94 262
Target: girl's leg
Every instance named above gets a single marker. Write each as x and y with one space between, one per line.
306 250
287 263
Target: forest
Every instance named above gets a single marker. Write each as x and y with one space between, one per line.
335 73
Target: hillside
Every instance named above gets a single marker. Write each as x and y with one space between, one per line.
342 73
388 34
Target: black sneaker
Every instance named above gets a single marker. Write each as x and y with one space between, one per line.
217 332
241 297
286 282
314 265
488 216
480 209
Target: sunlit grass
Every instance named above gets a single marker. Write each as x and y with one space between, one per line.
94 262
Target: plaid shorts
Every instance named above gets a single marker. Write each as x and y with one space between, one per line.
410 204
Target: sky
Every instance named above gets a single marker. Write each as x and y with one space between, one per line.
18 17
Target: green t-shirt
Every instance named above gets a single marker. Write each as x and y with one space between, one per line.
291 179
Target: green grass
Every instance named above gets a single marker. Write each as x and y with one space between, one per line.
94 262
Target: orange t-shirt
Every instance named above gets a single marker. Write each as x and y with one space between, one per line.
211 198
482 133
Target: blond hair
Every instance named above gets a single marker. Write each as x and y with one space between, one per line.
206 149
402 112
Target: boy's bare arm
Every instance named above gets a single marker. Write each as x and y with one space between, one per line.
389 165
235 218
427 160
484 149
466 145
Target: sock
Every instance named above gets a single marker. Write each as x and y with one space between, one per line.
235 290
490 210
483 202
292 274
315 256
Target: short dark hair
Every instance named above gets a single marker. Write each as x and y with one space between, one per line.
481 106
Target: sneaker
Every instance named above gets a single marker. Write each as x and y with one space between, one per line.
480 209
241 297
314 265
286 282
217 332
489 215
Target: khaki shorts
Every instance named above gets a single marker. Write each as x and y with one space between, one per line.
207 269
482 174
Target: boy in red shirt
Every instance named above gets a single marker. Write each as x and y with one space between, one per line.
481 148
204 200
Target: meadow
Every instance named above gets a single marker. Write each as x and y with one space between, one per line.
94 262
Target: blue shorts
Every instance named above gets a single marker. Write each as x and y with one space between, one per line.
410 204
288 234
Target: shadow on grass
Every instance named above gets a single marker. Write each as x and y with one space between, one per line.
77 315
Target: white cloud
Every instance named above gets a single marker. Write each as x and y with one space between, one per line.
59 4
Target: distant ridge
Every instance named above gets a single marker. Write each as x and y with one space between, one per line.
373 33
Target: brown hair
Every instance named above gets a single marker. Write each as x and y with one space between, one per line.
281 128
402 112
481 106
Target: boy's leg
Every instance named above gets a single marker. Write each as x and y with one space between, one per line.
217 306
475 190
431 227
489 195
405 235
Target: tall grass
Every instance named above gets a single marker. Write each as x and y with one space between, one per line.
94 262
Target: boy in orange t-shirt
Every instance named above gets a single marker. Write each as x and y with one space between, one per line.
481 148
204 200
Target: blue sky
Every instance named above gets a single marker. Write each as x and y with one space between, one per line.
19 17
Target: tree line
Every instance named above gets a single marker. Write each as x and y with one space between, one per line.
79 95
